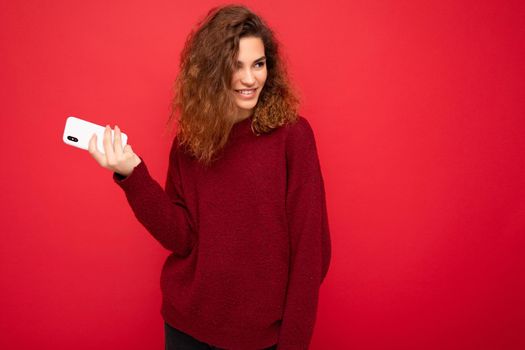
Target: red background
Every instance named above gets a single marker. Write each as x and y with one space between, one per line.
418 111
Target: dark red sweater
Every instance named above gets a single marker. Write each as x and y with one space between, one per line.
249 238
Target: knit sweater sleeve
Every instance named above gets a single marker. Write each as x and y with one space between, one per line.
161 211
310 247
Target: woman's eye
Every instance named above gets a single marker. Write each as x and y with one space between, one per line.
258 65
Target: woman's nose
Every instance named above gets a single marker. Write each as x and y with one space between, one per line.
247 77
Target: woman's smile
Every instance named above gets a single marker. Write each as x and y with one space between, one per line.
246 93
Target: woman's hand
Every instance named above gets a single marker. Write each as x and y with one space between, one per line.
121 161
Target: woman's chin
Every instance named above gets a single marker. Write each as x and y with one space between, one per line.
246 106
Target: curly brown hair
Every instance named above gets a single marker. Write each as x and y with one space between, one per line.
203 101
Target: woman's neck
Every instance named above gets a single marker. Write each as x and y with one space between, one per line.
241 118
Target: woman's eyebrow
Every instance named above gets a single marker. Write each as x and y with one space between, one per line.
257 60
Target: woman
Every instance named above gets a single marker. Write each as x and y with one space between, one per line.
243 212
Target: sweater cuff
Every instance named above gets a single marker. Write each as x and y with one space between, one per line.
134 179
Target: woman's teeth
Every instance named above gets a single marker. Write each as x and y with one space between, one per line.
246 92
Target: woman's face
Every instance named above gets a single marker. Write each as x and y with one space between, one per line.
249 75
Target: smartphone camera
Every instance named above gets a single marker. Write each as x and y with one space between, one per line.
74 139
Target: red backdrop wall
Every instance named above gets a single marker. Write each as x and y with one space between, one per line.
418 111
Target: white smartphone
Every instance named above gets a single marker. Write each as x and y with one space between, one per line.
78 132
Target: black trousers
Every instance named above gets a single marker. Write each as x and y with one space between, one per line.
178 340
